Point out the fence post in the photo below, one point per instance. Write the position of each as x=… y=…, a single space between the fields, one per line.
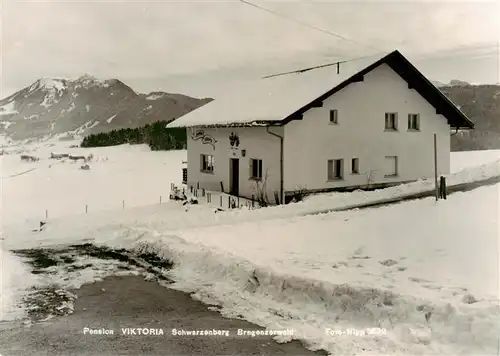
x=123 y=204
x=252 y=202
x=442 y=187
x=435 y=167
x=220 y=196
x=198 y=185
x=238 y=202
x=229 y=202
x=86 y=208
x=160 y=199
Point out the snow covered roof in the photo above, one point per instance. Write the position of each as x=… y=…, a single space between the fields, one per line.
x=277 y=100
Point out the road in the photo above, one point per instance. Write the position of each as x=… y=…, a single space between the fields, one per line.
x=121 y=302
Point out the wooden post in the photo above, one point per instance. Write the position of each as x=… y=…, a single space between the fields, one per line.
x=435 y=167
x=86 y=208
x=442 y=187
x=252 y=202
x=123 y=204
x=160 y=199
x=198 y=185
x=229 y=202
x=220 y=201
x=46 y=214
x=238 y=202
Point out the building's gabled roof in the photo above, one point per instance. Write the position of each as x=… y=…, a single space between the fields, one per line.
x=280 y=99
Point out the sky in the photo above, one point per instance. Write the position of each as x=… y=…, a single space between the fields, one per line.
x=203 y=47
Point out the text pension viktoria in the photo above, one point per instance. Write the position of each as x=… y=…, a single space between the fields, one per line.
x=125 y=331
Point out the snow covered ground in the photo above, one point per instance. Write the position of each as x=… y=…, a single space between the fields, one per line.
x=15 y=278
x=427 y=273
x=461 y=160
x=130 y=175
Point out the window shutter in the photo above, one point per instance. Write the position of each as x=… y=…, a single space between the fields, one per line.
x=333 y=116
x=339 y=168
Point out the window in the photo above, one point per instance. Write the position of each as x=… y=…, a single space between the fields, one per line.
x=414 y=122
x=391 y=166
x=334 y=117
x=391 y=121
x=335 y=169
x=355 y=166
x=256 y=169
x=207 y=163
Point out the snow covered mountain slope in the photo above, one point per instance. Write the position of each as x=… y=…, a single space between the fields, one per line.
x=60 y=107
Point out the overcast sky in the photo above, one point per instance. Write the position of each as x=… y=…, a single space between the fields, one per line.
x=200 y=47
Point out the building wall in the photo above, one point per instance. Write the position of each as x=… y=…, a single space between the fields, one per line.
x=360 y=133
x=257 y=143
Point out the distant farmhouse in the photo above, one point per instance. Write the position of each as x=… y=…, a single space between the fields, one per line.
x=364 y=123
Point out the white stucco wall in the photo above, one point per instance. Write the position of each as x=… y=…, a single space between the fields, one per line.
x=360 y=133
x=258 y=145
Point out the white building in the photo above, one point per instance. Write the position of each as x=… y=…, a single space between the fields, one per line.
x=364 y=123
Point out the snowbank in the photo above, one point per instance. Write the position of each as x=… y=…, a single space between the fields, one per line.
x=15 y=279
x=264 y=281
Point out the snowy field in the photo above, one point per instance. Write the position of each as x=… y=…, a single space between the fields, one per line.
x=426 y=272
x=461 y=160
x=120 y=175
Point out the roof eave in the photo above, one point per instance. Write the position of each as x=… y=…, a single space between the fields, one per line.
x=259 y=123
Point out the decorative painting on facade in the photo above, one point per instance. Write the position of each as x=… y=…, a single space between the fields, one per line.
x=234 y=141
x=205 y=139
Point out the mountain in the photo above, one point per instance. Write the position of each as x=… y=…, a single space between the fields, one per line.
x=481 y=103
x=438 y=83
x=452 y=83
x=457 y=83
x=64 y=108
